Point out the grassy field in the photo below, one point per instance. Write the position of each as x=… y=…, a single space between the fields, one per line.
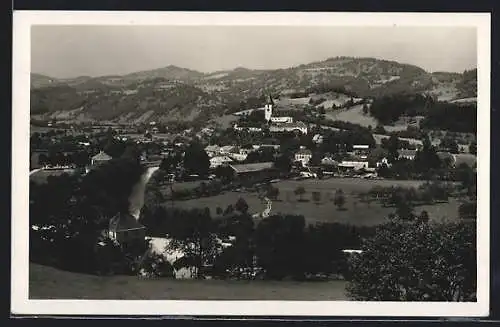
x=50 y=283
x=355 y=213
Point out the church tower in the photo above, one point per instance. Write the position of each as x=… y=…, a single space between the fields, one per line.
x=268 y=109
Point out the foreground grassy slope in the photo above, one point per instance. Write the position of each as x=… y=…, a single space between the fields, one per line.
x=50 y=283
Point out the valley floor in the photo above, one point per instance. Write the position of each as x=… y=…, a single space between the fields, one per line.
x=50 y=283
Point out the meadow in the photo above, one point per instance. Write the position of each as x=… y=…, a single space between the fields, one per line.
x=50 y=283
x=355 y=211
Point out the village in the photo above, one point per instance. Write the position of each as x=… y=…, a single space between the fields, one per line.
x=329 y=177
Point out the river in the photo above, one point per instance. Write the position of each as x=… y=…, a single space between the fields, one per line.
x=136 y=198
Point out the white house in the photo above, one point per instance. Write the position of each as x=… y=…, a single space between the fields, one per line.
x=407 y=154
x=355 y=165
x=226 y=149
x=219 y=160
x=284 y=119
x=212 y=150
x=238 y=156
x=303 y=155
x=289 y=127
x=317 y=138
x=383 y=161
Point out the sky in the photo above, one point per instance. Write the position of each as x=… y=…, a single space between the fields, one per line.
x=70 y=51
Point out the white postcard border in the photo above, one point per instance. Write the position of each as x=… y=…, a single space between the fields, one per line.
x=20 y=304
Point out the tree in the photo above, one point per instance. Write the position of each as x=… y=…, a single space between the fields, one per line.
x=449 y=144
x=196 y=160
x=273 y=192
x=424 y=217
x=415 y=261
x=300 y=191
x=427 y=159
x=156 y=265
x=315 y=159
x=339 y=199
x=194 y=236
x=316 y=197
x=467 y=210
x=225 y=173
x=280 y=246
x=283 y=163
x=473 y=148
x=365 y=109
x=241 y=205
x=393 y=145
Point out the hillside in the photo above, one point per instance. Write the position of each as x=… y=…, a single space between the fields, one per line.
x=50 y=283
x=175 y=93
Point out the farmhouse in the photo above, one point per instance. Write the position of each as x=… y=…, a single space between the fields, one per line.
x=125 y=229
x=361 y=150
x=317 y=138
x=289 y=127
x=284 y=119
x=353 y=165
x=212 y=150
x=407 y=154
x=219 y=160
x=100 y=158
x=303 y=155
x=238 y=156
x=254 y=172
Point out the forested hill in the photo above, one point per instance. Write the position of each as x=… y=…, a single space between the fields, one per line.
x=175 y=93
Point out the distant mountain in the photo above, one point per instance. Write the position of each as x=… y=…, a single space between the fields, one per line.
x=175 y=93
x=39 y=80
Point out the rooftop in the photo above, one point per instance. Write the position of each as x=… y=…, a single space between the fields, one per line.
x=102 y=156
x=123 y=222
x=245 y=168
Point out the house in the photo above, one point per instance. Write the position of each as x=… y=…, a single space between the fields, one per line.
x=284 y=119
x=125 y=229
x=238 y=156
x=254 y=172
x=383 y=162
x=361 y=150
x=226 y=149
x=219 y=160
x=317 y=138
x=303 y=155
x=328 y=161
x=353 y=165
x=100 y=158
x=298 y=127
x=407 y=154
x=212 y=150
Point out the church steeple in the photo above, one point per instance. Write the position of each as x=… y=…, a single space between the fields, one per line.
x=268 y=108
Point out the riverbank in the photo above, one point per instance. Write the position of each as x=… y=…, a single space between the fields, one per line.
x=50 y=283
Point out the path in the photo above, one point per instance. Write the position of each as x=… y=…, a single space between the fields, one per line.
x=267 y=210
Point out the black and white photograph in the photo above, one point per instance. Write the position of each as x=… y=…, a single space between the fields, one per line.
x=251 y=163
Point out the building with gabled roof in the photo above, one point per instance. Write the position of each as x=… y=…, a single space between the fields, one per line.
x=124 y=228
x=100 y=158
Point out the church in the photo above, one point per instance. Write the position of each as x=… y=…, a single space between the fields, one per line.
x=281 y=124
